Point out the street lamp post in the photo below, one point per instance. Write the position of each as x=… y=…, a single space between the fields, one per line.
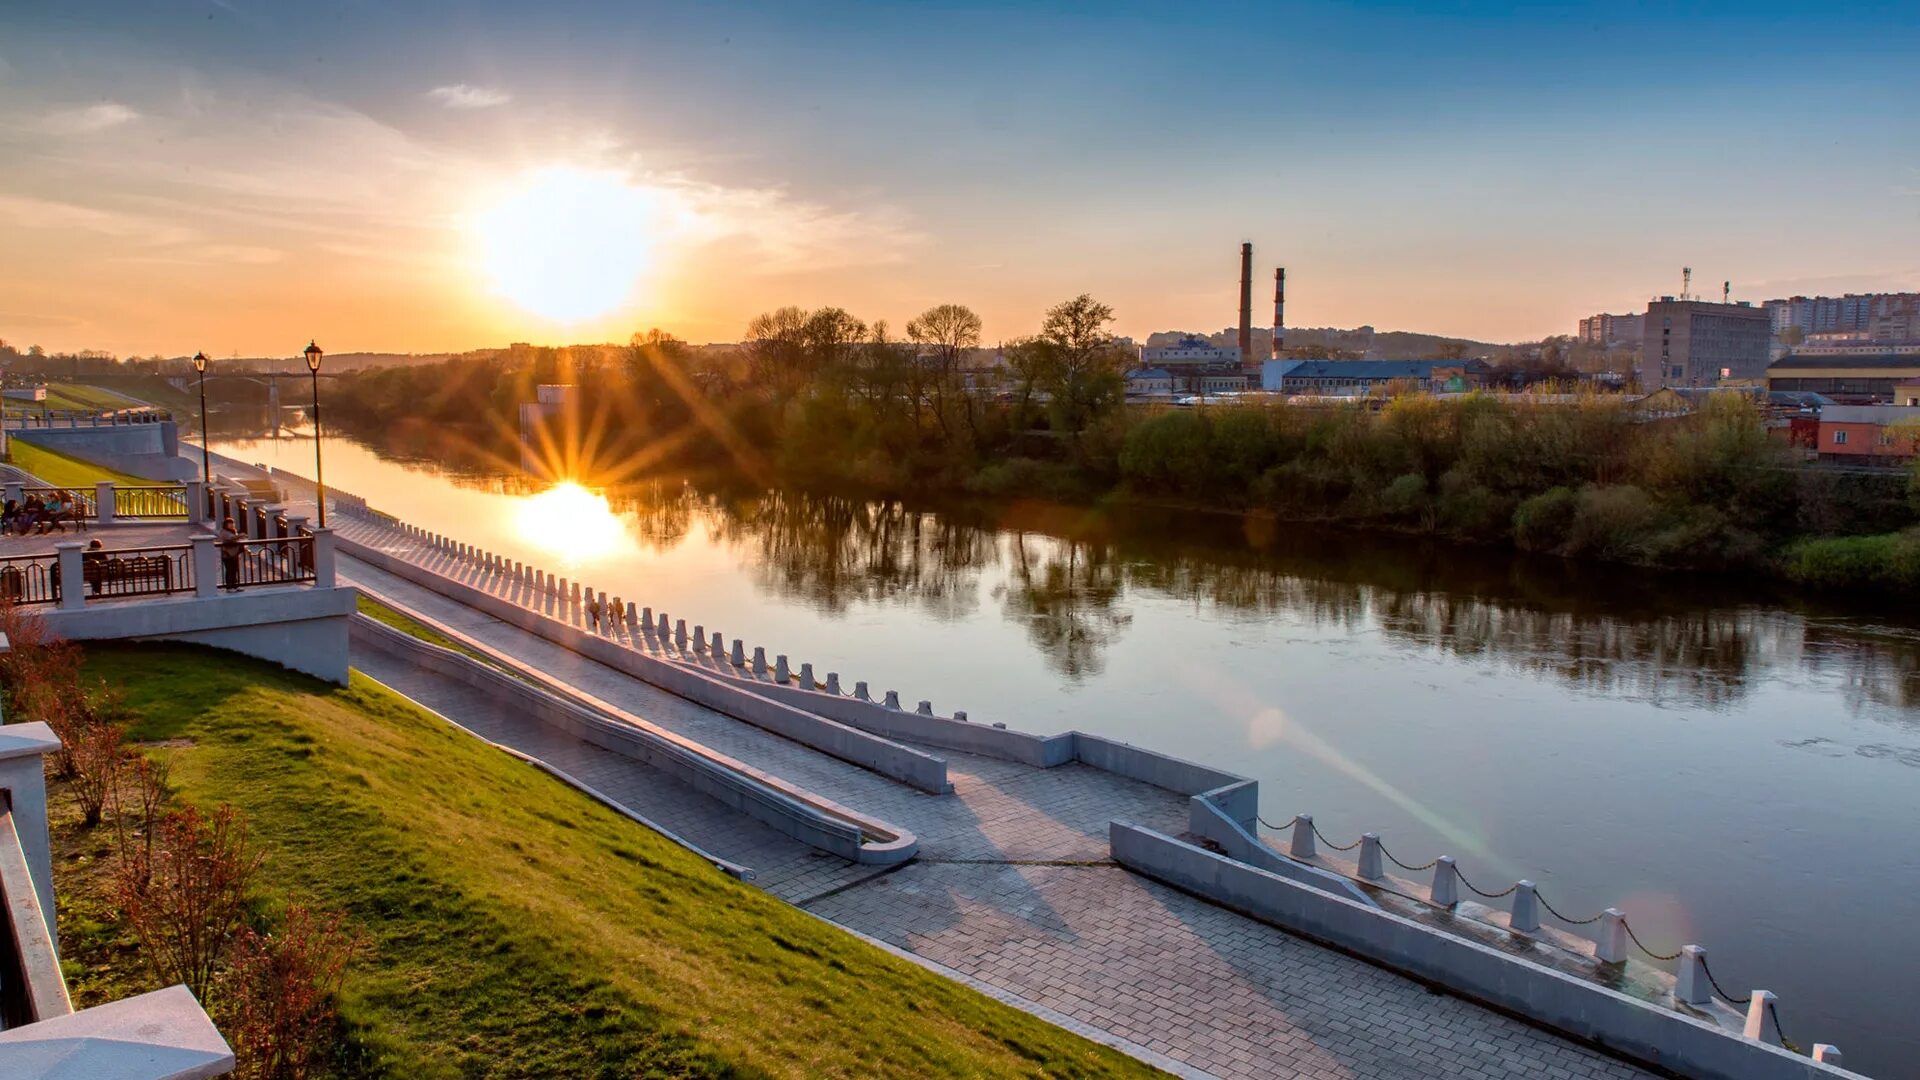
x=319 y=477
x=206 y=462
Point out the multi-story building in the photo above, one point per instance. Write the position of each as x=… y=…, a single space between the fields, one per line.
x=1851 y=377
x=1697 y=343
x=1190 y=352
x=1360 y=377
x=1874 y=316
x=1604 y=329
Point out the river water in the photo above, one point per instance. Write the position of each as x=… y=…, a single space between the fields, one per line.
x=1730 y=766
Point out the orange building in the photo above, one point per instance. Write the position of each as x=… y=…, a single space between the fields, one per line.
x=1868 y=434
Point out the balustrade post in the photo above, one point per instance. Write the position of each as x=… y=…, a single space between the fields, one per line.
x=196 y=502
x=1446 y=883
x=806 y=677
x=1691 y=985
x=17 y=493
x=104 y=503
x=781 y=673
x=1302 y=846
x=646 y=619
x=1370 y=856
x=680 y=634
x=717 y=645
x=925 y=708
x=1828 y=1054
x=699 y=638
x=73 y=590
x=759 y=659
x=739 y=657
x=634 y=625
x=892 y=700
x=1610 y=947
x=1757 y=1027
x=206 y=566
x=833 y=683
x=1525 y=918
x=323 y=568
x=860 y=690
x=960 y=715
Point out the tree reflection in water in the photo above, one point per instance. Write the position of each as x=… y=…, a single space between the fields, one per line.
x=1066 y=575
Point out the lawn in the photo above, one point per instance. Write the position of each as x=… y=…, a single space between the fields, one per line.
x=517 y=928
x=65 y=470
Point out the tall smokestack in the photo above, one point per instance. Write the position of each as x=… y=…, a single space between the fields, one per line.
x=1279 y=311
x=1246 y=304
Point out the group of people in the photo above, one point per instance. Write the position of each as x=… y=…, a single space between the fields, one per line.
x=36 y=514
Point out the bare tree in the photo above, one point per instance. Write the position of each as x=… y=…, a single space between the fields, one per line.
x=944 y=333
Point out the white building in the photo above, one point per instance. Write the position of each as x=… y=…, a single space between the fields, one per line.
x=1190 y=351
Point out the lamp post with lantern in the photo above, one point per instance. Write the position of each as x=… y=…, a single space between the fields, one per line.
x=206 y=461
x=319 y=477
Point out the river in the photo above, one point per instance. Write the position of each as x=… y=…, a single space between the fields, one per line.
x=1730 y=766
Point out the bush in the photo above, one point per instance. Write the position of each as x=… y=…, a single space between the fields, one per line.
x=1027 y=478
x=1612 y=522
x=1542 y=522
x=185 y=894
x=1167 y=453
x=1890 y=560
x=1406 y=497
x=278 y=994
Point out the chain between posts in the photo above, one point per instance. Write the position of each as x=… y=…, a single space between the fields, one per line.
x=1773 y=1007
x=1556 y=913
x=1331 y=844
x=1675 y=955
x=1722 y=991
x=1410 y=869
x=1477 y=892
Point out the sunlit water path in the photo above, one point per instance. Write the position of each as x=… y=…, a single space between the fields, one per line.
x=1744 y=776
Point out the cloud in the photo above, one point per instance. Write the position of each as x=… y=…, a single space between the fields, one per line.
x=89 y=118
x=462 y=96
x=27 y=212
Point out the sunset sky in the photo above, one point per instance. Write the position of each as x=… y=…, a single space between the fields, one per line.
x=239 y=176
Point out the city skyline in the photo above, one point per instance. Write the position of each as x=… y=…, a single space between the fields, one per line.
x=383 y=179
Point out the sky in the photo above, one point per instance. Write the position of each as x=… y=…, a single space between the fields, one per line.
x=240 y=176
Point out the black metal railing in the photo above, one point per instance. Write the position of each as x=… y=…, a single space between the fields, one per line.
x=30 y=579
x=153 y=501
x=268 y=562
x=138 y=571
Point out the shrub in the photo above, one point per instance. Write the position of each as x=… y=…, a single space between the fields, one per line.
x=278 y=994
x=1167 y=452
x=93 y=750
x=1407 y=497
x=185 y=894
x=1612 y=522
x=1889 y=560
x=1542 y=522
x=1025 y=477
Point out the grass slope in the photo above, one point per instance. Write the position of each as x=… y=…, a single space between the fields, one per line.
x=516 y=927
x=65 y=470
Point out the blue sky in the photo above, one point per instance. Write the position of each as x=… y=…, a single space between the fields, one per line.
x=1486 y=170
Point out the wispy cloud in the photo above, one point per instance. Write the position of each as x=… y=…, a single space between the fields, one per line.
x=27 y=212
x=463 y=96
x=85 y=119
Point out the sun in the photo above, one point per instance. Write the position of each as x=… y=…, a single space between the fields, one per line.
x=571 y=522
x=568 y=244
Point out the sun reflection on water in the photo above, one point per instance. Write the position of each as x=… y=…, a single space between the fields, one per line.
x=571 y=522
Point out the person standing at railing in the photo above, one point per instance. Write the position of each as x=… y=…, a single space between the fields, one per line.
x=230 y=551
x=10 y=516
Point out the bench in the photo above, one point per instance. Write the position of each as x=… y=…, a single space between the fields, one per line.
x=139 y=574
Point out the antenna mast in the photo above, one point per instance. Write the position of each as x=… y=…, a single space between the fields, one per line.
x=1686 y=282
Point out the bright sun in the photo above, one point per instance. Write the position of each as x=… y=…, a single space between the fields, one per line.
x=571 y=522
x=568 y=244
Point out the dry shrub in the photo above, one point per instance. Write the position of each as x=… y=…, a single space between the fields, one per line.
x=185 y=892
x=136 y=799
x=93 y=752
x=278 y=994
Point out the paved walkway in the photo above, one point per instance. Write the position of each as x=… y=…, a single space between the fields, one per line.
x=1013 y=887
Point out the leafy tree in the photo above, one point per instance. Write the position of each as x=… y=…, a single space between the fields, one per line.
x=943 y=334
x=1081 y=367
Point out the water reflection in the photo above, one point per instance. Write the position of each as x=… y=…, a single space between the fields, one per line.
x=1070 y=579
x=570 y=522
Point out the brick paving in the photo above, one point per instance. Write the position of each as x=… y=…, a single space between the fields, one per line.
x=1214 y=991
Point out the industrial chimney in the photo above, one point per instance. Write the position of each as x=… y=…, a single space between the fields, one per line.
x=1246 y=304
x=1279 y=310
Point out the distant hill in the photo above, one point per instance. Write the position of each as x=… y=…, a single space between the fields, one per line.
x=1365 y=340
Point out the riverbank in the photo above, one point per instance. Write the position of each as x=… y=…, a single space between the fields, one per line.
x=515 y=927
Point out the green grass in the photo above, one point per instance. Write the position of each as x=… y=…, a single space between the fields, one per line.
x=65 y=470
x=517 y=928
x=84 y=398
x=406 y=624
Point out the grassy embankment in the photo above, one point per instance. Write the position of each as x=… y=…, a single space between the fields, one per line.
x=74 y=397
x=65 y=470
x=514 y=926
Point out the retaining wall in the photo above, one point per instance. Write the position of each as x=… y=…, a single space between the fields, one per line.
x=149 y=450
x=762 y=797
x=913 y=767
x=300 y=627
x=1636 y=1029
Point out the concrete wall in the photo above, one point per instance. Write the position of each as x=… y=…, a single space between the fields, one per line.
x=790 y=810
x=23 y=778
x=298 y=627
x=1635 y=1029
x=149 y=450
x=888 y=758
x=1209 y=821
x=1042 y=751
